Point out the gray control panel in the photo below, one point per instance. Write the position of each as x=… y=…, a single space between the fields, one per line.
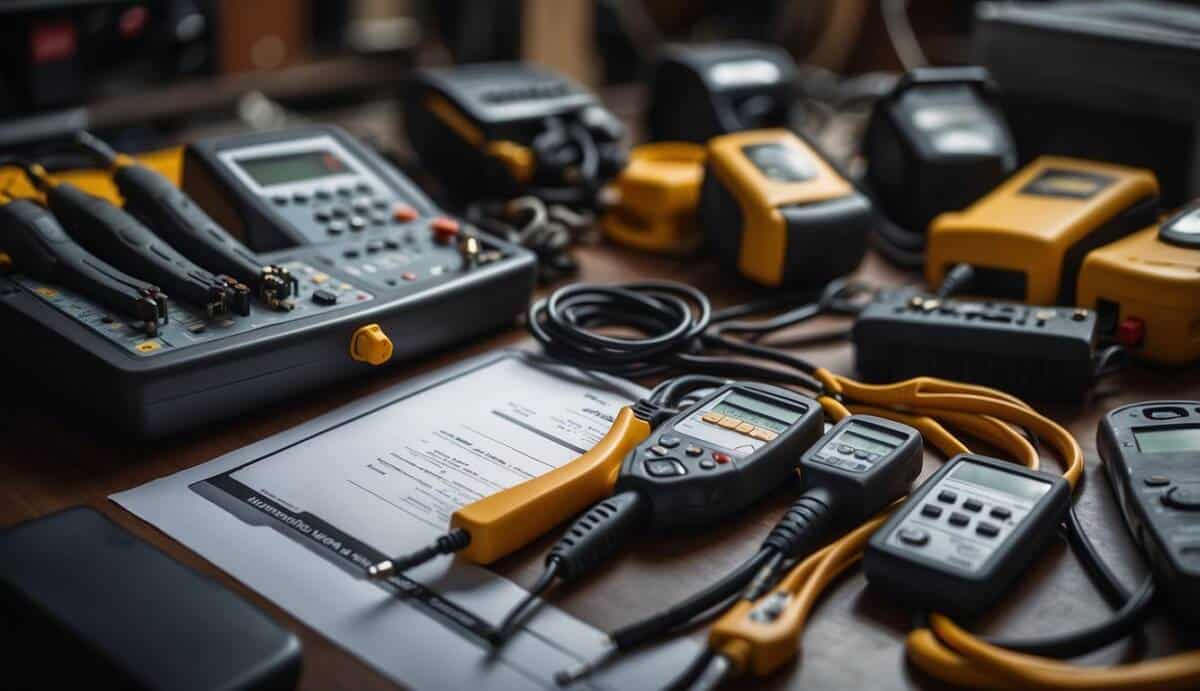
x=858 y=447
x=968 y=515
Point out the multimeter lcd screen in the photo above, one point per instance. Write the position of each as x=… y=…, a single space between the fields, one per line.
x=776 y=418
x=1168 y=440
x=284 y=168
x=779 y=162
x=1009 y=483
x=867 y=439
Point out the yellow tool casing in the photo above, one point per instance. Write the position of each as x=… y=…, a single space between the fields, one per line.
x=1148 y=290
x=504 y=522
x=658 y=191
x=778 y=213
x=1027 y=239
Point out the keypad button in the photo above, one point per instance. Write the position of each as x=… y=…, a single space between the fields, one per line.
x=344 y=191
x=335 y=228
x=744 y=428
x=658 y=450
x=763 y=434
x=364 y=188
x=350 y=253
x=987 y=529
x=403 y=213
x=861 y=455
x=669 y=441
x=972 y=505
x=279 y=200
x=707 y=464
x=357 y=223
x=845 y=449
x=712 y=417
x=374 y=246
x=729 y=422
x=931 y=511
x=1157 y=481
x=1000 y=513
x=381 y=204
x=322 y=194
x=947 y=497
x=913 y=536
x=959 y=519
x=391 y=244
x=720 y=457
x=664 y=467
x=361 y=207
x=300 y=197
x=693 y=451
x=322 y=216
x=1183 y=496
x=324 y=297
x=338 y=212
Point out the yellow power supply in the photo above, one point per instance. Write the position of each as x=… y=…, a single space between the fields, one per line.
x=1027 y=239
x=778 y=213
x=1146 y=289
x=657 y=195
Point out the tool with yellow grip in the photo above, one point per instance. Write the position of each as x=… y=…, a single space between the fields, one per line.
x=499 y=524
x=776 y=212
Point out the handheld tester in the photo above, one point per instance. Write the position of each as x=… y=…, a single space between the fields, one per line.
x=961 y=539
x=722 y=454
x=1027 y=239
x=381 y=275
x=1146 y=289
x=1151 y=451
x=778 y=213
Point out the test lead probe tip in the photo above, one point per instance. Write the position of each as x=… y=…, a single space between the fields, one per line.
x=449 y=543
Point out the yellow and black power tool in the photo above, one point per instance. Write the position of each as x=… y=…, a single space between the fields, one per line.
x=1146 y=289
x=776 y=211
x=1027 y=239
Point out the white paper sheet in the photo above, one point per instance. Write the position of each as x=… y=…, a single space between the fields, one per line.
x=297 y=516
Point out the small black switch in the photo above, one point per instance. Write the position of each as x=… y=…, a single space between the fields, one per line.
x=324 y=297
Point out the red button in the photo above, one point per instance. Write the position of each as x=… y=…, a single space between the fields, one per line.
x=404 y=213
x=408 y=276
x=720 y=457
x=444 y=228
x=1131 y=332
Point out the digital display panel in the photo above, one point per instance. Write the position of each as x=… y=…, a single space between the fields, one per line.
x=774 y=417
x=779 y=162
x=1173 y=440
x=1010 y=483
x=284 y=168
x=867 y=439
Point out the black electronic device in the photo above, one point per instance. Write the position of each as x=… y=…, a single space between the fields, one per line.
x=1044 y=353
x=963 y=537
x=371 y=254
x=1151 y=451
x=937 y=142
x=1109 y=81
x=715 y=458
x=698 y=92
x=97 y=607
x=500 y=129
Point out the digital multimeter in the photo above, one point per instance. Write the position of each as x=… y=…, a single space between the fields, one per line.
x=380 y=275
x=1146 y=289
x=720 y=455
x=1027 y=239
x=963 y=537
x=774 y=210
x=1151 y=451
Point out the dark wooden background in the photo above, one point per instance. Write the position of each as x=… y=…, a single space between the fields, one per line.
x=52 y=459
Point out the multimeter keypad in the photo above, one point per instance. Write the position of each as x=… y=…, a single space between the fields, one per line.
x=961 y=524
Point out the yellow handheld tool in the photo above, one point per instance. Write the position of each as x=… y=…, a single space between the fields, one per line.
x=502 y=523
x=1027 y=239
x=774 y=210
x=657 y=196
x=1146 y=289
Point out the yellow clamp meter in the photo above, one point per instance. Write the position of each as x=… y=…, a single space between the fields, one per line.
x=778 y=213
x=657 y=195
x=1027 y=239
x=1145 y=289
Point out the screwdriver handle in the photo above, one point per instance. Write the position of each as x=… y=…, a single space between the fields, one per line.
x=155 y=200
x=504 y=522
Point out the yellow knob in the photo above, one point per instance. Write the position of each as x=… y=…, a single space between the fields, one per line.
x=371 y=345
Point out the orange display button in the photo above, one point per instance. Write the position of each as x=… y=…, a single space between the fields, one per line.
x=404 y=213
x=444 y=228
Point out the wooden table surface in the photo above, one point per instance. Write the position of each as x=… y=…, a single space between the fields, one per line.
x=53 y=459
